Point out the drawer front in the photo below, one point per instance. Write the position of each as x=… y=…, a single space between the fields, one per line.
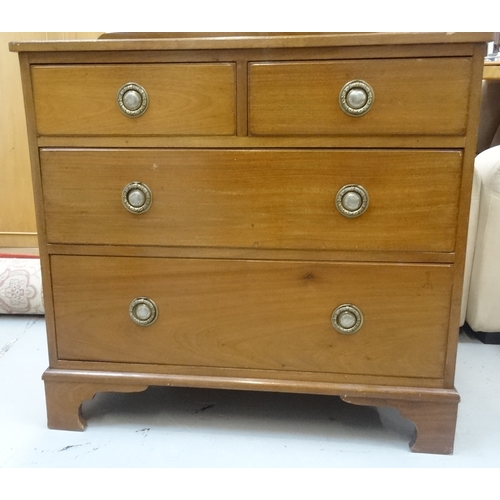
x=254 y=199
x=411 y=96
x=183 y=99
x=254 y=315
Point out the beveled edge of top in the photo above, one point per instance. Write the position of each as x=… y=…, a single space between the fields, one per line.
x=261 y=40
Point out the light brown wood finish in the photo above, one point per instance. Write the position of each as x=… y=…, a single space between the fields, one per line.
x=207 y=314
x=17 y=216
x=412 y=96
x=265 y=41
x=464 y=210
x=254 y=199
x=238 y=294
x=185 y=99
x=64 y=401
x=66 y=56
x=253 y=253
x=491 y=70
x=40 y=218
x=247 y=142
x=435 y=421
x=433 y=411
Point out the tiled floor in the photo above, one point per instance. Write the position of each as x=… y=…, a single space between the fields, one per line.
x=175 y=427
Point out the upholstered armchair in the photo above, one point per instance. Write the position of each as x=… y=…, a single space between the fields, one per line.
x=481 y=297
x=481 y=302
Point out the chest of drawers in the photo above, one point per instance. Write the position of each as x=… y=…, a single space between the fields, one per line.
x=260 y=212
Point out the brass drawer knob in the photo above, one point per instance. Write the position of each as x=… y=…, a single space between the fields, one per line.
x=347 y=318
x=132 y=99
x=352 y=200
x=143 y=311
x=356 y=98
x=137 y=197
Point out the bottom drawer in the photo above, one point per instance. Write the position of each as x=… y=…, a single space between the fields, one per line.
x=253 y=314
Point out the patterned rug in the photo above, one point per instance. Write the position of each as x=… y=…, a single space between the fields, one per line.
x=20 y=285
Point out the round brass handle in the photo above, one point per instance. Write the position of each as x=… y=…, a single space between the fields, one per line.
x=347 y=318
x=132 y=99
x=352 y=200
x=356 y=98
x=137 y=198
x=143 y=311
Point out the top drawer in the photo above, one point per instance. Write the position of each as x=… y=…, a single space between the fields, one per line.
x=183 y=99
x=410 y=97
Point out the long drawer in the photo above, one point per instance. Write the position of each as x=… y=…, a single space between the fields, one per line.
x=254 y=198
x=407 y=96
x=179 y=99
x=253 y=314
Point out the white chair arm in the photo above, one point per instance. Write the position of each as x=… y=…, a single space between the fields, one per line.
x=483 y=303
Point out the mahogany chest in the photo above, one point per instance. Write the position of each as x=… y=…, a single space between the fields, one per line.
x=275 y=212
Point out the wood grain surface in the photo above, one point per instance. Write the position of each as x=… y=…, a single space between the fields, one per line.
x=254 y=199
x=185 y=99
x=249 y=41
x=412 y=96
x=244 y=147
x=260 y=315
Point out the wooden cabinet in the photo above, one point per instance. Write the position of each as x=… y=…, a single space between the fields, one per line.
x=259 y=212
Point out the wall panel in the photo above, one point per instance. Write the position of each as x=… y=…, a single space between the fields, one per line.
x=17 y=213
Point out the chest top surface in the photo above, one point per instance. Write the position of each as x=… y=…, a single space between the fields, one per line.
x=201 y=40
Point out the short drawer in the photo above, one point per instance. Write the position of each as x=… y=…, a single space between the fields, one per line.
x=410 y=97
x=181 y=99
x=255 y=315
x=254 y=199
